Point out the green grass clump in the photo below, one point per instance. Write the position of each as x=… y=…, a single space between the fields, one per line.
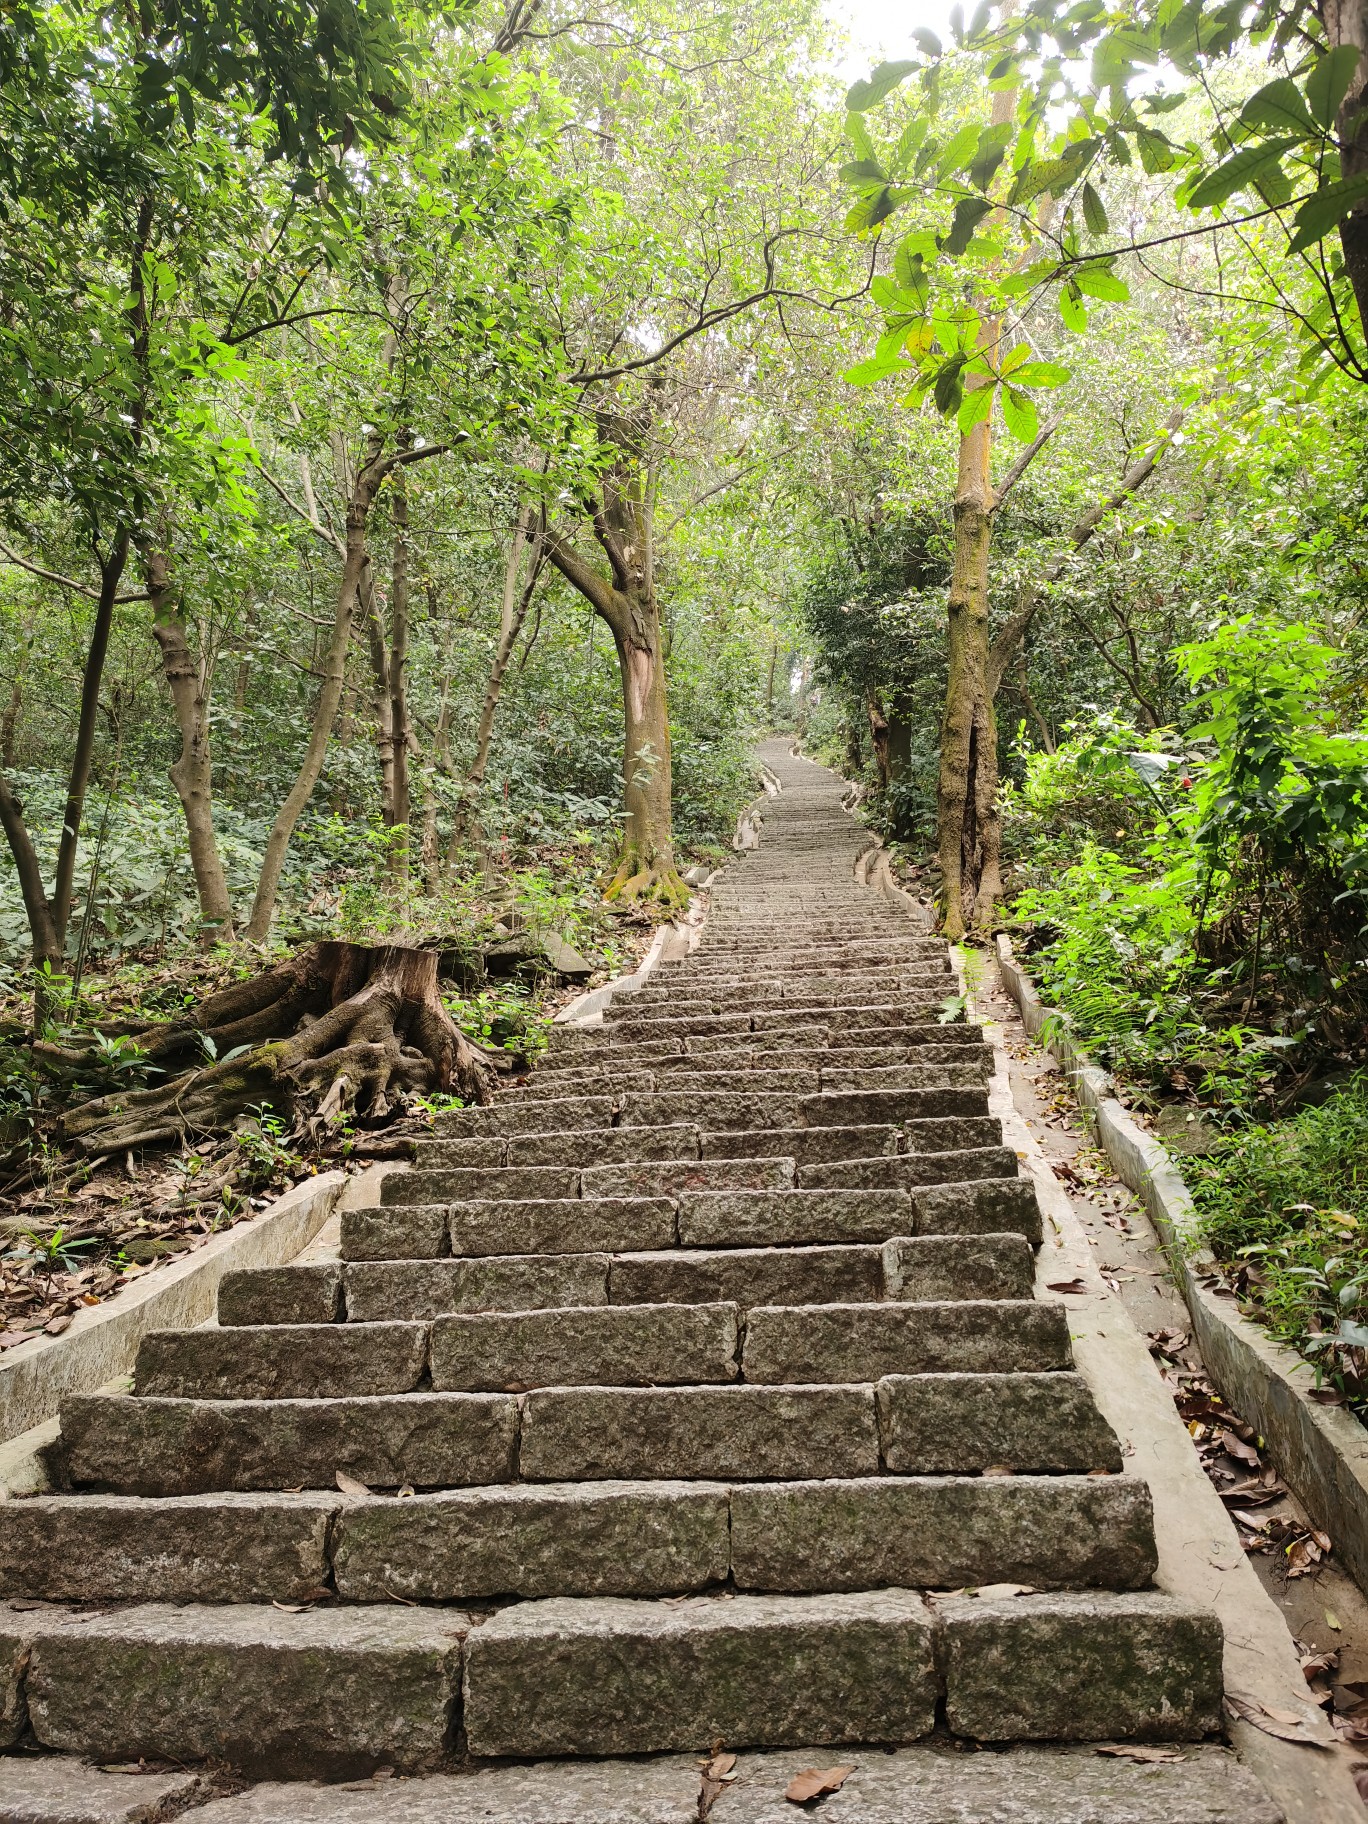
x=1285 y=1208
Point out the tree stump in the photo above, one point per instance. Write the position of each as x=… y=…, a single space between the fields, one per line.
x=340 y=1022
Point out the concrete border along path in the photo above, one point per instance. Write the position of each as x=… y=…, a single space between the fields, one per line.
x=696 y=1392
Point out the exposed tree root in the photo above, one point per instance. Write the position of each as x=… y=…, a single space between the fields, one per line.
x=343 y=1023
x=647 y=883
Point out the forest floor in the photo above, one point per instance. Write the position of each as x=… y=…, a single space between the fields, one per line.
x=1325 y=1611
x=74 y=1230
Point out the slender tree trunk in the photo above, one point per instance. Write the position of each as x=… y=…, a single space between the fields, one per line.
x=513 y=609
x=47 y=947
x=1346 y=23
x=354 y=562
x=380 y=673
x=966 y=726
x=769 y=683
x=878 y=735
x=401 y=729
x=9 y=722
x=646 y=866
x=78 y=782
x=192 y=774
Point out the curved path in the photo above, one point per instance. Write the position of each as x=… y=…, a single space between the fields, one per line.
x=713 y=1358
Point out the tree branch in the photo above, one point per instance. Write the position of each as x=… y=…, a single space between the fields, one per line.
x=580 y=576
x=65 y=582
x=1023 y=462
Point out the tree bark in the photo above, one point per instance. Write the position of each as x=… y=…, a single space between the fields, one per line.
x=513 y=608
x=342 y=1022
x=47 y=947
x=622 y=523
x=192 y=774
x=111 y=573
x=878 y=735
x=401 y=729
x=1346 y=23
x=364 y=489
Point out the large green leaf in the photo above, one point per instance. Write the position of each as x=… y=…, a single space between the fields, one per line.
x=1071 y=310
x=882 y=81
x=1329 y=83
x=1094 y=211
x=1019 y=414
x=949 y=387
x=1238 y=172
x=863 y=171
x=1279 y=106
x=1101 y=282
x=969 y=212
x=975 y=408
x=1040 y=373
x=866 y=373
x=1326 y=210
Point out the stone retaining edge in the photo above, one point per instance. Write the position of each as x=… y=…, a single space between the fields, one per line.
x=103 y=1340
x=1321 y=1451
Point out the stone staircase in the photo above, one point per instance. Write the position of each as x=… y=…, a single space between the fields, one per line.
x=694 y=1394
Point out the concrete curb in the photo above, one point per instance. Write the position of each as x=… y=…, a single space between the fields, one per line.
x=102 y=1341
x=1322 y=1451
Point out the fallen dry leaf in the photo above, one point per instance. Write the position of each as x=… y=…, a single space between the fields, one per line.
x=993 y=1592
x=1125 y=1751
x=1236 y=1447
x=349 y=1484
x=1288 y=1725
x=719 y=1767
x=813 y=1782
x=1074 y=1287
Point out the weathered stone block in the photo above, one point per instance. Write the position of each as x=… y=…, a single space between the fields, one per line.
x=486 y=1152
x=994 y=1206
x=935 y=1785
x=748 y=1276
x=570 y=1539
x=571 y=1225
x=714 y=1109
x=606 y=1145
x=201 y=1548
x=462 y=1183
x=586 y=1346
x=670 y=1177
x=615 y=1677
x=282 y=1361
x=943 y=1532
x=16 y=1632
x=54 y=1789
x=327 y=1691
x=281 y=1295
x=1080 y=1668
x=423 y=1289
x=759 y=1433
x=852 y=1107
x=947 y=1424
x=864 y=1342
x=402 y=1232
x=790 y=1218
x=952 y=1134
x=659 y=1791
x=186 y=1447
x=907 y=1171
x=508 y=1116
x=922 y=1267
x=805 y=1145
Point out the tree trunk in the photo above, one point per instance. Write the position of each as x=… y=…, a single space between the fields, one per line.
x=384 y=707
x=401 y=730
x=47 y=948
x=646 y=865
x=369 y=477
x=192 y=774
x=878 y=735
x=967 y=730
x=374 y=1025
x=513 y=609
x=111 y=573
x=1346 y=23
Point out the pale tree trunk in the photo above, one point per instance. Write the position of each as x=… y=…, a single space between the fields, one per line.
x=369 y=477
x=626 y=600
x=384 y=706
x=401 y=729
x=192 y=774
x=967 y=730
x=529 y=540
x=878 y=735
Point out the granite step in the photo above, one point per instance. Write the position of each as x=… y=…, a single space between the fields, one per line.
x=609 y=1675
x=611 y=1538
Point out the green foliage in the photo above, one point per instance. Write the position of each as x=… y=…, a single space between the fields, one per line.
x=1285 y=1208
